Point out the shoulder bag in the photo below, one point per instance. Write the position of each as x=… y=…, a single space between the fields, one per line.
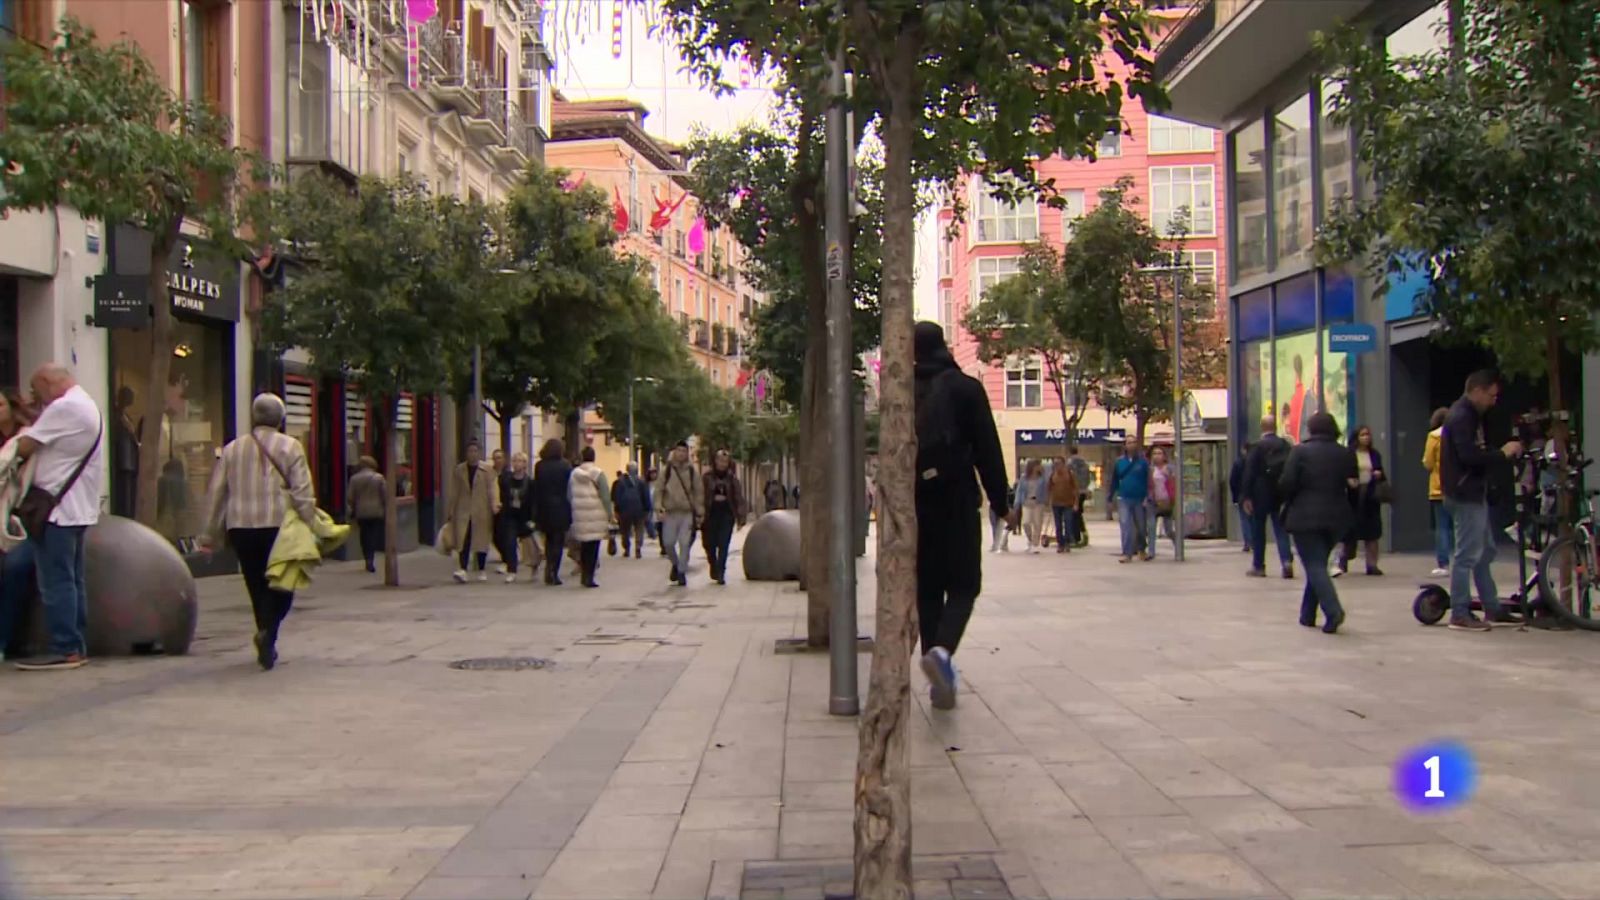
x=269 y=457
x=37 y=504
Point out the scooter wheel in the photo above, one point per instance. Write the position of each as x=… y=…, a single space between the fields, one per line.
x=1431 y=604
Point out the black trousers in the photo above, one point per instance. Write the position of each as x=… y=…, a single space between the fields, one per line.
x=589 y=560
x=949 y=568
x=715 y=538
x=253 y=546
x=555 y=547
x=371 y=531
x=632 y=528
x=466 y=555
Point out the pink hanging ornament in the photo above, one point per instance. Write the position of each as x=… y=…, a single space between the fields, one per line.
x=697 y=236
x=421 y=10
x=617 y=7
x=417 y=12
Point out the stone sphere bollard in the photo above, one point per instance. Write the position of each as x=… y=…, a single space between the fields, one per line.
x=772 y=548
x=141 y=594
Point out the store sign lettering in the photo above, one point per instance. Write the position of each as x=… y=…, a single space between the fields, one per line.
x=198 y=289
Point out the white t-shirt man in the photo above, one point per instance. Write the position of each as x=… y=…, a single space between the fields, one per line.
x=65 y=431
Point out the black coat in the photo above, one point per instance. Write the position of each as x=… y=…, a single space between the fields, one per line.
x=1316 y=487
x=975 y=422
x=552 y=509
x=516 y=499
x=1236 y=481
x=1257 y=487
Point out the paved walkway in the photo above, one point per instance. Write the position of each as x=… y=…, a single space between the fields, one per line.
x=1126 y=731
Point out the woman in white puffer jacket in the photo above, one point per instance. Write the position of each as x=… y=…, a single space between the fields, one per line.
x=591 y=513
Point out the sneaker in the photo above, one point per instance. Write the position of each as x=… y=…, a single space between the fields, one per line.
x=266 y=654
x=52 y=662
x=1256 y=573
x=511 y=579
x=941 y=674
x=1439 y=572
x=1288 y=571
x=1332 y=625
x=460 y=575
x=1374 y=570
x=673 y=578
x=502 y=569
x=1469 y=623
x=482 y=575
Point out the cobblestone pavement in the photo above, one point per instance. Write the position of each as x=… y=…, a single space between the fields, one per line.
x=1150 y=730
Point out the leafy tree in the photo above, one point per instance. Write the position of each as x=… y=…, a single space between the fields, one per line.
x=92 y=126
x=393 y=287
x=1486 y=169
x=1119 y=279
x=1021 y=318
x=985 y=87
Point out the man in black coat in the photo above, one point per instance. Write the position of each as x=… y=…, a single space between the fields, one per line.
x=1466 y=463
x=956 y=437
x=1262 y=468
x=1236 y=494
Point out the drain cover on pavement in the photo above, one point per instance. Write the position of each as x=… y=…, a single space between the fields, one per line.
x=500 y=663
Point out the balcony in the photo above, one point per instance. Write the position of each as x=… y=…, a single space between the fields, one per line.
x=447 y=73
x=487 y=125
x=517 y=148
x=719 y=338
x=702 y=334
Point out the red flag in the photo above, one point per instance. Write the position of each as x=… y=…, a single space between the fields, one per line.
x=619 y=212
x=665 y=209
x=744 y=378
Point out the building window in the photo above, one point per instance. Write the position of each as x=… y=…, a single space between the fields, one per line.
x=1421 y=36
x=1249 y=197
x=947 y=310
x=989 y=271
x=202 y=27
x=1291 y=179
x=947 y=264
x=1334 y=159
x=1110 y=146
x=27 y=19
x=635 y=207
x=1184 y=187
x=1204 y=264
x=1172 y=136
x=677 y=295
x=1071 y=213
x=1006 y=223
x=1024 y=385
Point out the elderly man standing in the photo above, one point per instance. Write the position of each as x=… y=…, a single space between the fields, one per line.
x=258 y=477
x=65 y=440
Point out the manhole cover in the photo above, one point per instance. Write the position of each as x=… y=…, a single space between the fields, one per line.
x=500 y=663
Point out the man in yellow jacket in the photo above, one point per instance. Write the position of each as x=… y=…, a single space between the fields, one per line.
x=1444 y=526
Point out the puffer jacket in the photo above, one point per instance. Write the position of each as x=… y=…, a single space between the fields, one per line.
x=591 y=503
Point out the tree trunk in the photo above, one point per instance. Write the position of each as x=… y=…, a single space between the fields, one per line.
x=883 y=773
x=386 y=408
x=503 y=420
x=155 y=400
x=572 y=431
x=815 y=435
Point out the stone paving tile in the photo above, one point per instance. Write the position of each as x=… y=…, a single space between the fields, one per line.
x=1202 y=875
x=1446 y=870
x=1567 y=880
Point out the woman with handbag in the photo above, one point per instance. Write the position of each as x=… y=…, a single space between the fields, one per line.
x=516 y=516
x=1366 y=501
x=1161 y=497
x=473 y=502
x=725 y=511
x=590 y=499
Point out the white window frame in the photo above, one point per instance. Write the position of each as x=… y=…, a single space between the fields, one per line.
x=1016 y=376
x=947 y=309
x=983 y=280
x=1110 y=146
x=947 y=263
x=992 y=215
x=1193 y=259
x=1160 y=218
x=1176 y=136
x=1076 y=200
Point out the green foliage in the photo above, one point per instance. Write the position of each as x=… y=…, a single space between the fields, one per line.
x=392 y=285
x=93 y=127
x=777 y=435
x=1487 y=171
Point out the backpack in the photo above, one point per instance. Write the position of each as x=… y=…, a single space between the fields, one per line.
x=1277 y=460
x=944 y=455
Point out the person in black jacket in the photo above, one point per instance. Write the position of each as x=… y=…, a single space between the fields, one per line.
x=1367 y=526
x=1236 y=494
x=1464 y=463
x=1315 y=489
x=1262 y=502
x=516 y=515
x=955 y=436
x=552 y=507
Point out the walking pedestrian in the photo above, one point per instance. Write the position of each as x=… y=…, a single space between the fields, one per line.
x=1236 y=494
x=1161 y=501
x=680 y=508
x=1084 y=476
x=631 y=499
x=1263 y=476
x=498 y=467
x=773 y=494
x=367 y=497
x=515 y=486
x=65 y=444
x=552 y=505
x=1064 y=497
x=590 y=499
x=724 y=511
x=1129 y=489
x=1000 y=524
x=956 y=446
x=17 y=581
x=1033 y=498
x=1366 y=498
x=257 y=479
x=1464 y=463
x=1444 y=531
x=472 y=502
x=1315 y=489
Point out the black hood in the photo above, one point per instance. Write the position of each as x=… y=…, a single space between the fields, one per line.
x=932 y=355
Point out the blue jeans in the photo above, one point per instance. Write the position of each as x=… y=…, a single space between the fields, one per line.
x=1134 y=524
x=1474 y=556
x=1258 y=537
x=1246 y=531
x=16 y=590
x=1444 y=533
x=1315 y=547
x=59 y=566
x=1066 y=525
x=1158 y=523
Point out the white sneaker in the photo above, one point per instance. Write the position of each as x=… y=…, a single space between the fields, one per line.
x=460 y=575
x=511 y=579
x=1439 y=573
x=501 y=569
x=482 y=575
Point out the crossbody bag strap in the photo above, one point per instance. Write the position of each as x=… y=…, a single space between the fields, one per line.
x=81 y=463
x=269 y=457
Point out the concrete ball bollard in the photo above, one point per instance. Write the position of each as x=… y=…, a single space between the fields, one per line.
x=772 y=548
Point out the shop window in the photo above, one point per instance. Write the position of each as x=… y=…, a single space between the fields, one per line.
x=1291 y=179
x=1295 y=305
x=989 y=271
x=1071 y=212
x=1024 y=385
x=195 y=412
x=1333 y=162
x=1255 y=393
x=1338 y=385
x=1191 y=188
x=1255 y=315
x=1172 y=136
x=1005 y=223
x=1295 y=372
x=404 y=447
x=1249 y=199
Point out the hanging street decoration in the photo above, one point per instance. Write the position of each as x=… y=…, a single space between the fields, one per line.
x=665 y=209
x=417 y=12
x=619 y=212
x=617 y=9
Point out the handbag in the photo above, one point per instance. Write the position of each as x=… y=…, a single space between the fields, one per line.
x=1382 y=492
x=35 y=507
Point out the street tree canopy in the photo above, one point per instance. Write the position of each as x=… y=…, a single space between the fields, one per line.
x=1486 y=172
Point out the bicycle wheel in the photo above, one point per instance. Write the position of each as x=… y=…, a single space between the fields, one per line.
x=1567 y=580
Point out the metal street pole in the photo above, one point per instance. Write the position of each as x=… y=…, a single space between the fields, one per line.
x=633 y=448
x=843 y=692
x=1177 y=403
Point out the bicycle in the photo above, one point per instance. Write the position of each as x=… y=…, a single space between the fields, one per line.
x=1569 y=568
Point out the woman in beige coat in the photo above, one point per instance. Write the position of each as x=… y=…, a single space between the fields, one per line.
x=473 y=503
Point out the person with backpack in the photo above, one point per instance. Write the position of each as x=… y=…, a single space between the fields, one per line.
x=1129 y=489
x=956 y=438
x=1263 y=473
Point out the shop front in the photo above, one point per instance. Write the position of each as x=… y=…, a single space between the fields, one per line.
x=1099 y=447
x=197 y=401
